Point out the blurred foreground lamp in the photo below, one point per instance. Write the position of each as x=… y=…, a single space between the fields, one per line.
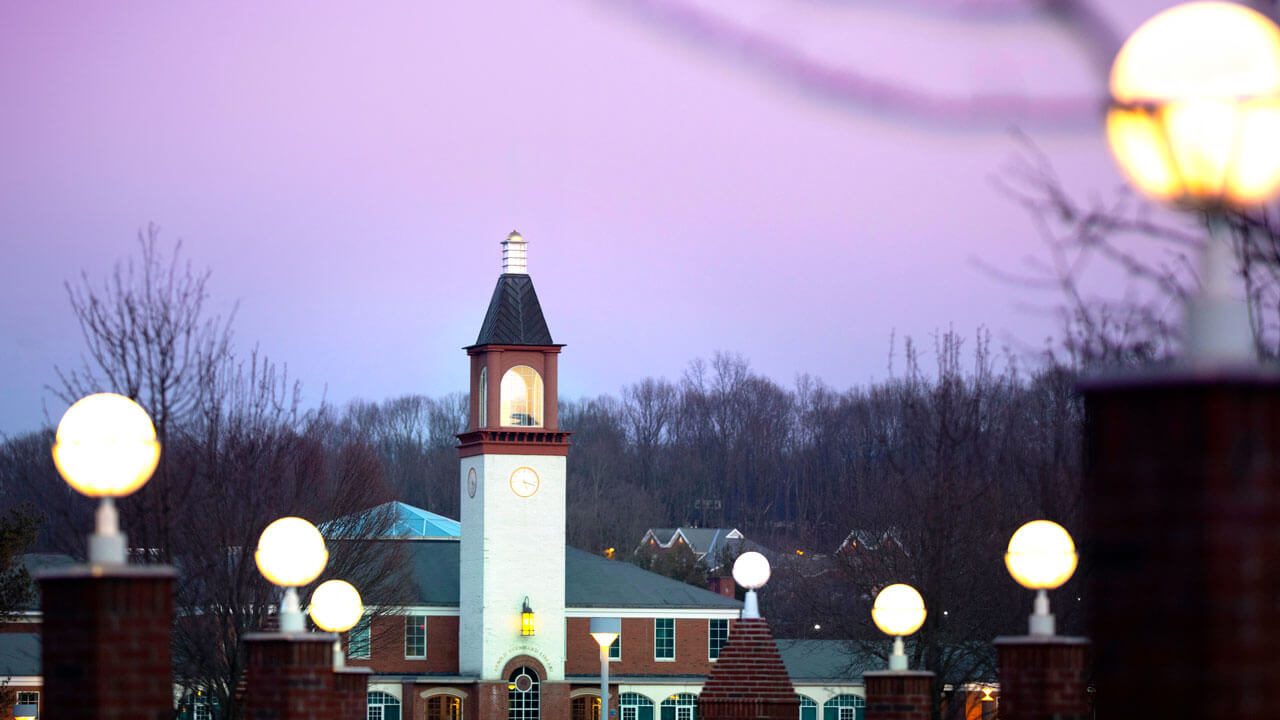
x=526 y=618
x=1041 y=557
x=605 y=631
x=751 y=571
x=898 y=611
x=106 y=447
x=291 y=553
x=336 y=607
x=1194 y=121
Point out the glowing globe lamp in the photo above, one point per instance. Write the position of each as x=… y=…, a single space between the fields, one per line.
x=1195 y=122
x=1041 y=557
x=1195 y=111
x=751 y=571
x=335 y=606
x=898 y=611
x=291 y=553
x=106 y=448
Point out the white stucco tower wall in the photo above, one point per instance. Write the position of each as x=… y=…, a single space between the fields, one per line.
x=512 y=547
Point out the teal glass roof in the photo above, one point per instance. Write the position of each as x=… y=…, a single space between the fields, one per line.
x=400 y=520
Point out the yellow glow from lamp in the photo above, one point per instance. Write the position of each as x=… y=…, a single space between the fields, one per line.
x=1041 y=555
x=1195 y=114
x=106 y=446
x=526 y=619
x=898 y=610
x=605 y=630
x=291 y=552
x=336 y=606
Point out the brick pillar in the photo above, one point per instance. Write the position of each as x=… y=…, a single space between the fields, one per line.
x=1182 y=553
x=290 y=676
x=1043 y=678
x=748 y=681
x=351 y=689
x=106 y=635
x=899 y=695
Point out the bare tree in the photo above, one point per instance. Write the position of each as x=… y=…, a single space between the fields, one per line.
x=237 y=452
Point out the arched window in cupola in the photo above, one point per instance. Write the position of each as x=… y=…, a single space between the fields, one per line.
x=521 y=397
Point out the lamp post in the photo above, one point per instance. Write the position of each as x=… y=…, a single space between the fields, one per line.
x=898 y=611
x=605 y=631
x=1041 y=557
x=336 y=607
x=1194 y=121
x=106 y=448
x=291 y=553
x=751 y=571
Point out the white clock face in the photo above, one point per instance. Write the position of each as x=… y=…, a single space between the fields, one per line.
x=471 y=483
x=524 y=481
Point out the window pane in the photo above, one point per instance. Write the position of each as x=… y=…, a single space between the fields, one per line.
x=615 y=649
x=521 y=397
x=358 y=641
x=664 y=639
x=717 y=634
x=415 y=636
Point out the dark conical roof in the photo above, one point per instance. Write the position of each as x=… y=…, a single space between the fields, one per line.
x=514 y=316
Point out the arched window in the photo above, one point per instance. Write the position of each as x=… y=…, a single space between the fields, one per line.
x=844 y=707
x=634 y=706
x=585 y=707
x=383 y=706
x=444 y=707
x=484 y=396
x=522 y=694
x=808 y=708
x=682 y=706
x=521 y=397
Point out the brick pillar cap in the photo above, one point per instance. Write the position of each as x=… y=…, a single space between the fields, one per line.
x=897 y=673
x=125 y=572
x=1040 y=640
x=302 y=637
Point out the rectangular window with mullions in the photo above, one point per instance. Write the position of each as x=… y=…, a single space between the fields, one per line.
x=664 y=639
x=358 y=640
x=615 y=648
x=415 y=637
x=717 y=634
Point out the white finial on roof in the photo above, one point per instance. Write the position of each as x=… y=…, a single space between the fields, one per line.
x=515 y=255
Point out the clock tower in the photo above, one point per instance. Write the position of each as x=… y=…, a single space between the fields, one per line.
x=513 y=490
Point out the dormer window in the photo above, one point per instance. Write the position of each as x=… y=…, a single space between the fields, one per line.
x=521 y=397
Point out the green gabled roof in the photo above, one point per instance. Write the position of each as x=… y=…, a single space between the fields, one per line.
x=590 y=581
x=826 y=660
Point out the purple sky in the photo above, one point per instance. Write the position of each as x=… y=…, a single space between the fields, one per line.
x=691 y=175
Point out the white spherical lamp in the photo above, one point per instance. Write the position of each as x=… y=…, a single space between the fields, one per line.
x=898 y=611
x=290 y=553
x=1041 y=557
x=106 y=448
x=335 y=606
x=1195 y=112
x=751 y=571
